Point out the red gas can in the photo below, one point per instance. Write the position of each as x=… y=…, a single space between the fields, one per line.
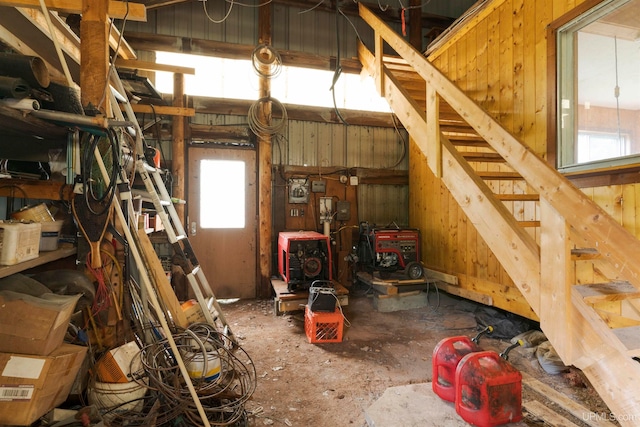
x=446 y=356
x=488 y=390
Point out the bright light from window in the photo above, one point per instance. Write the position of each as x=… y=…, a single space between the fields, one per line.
x=236 y=79
x=222 y=194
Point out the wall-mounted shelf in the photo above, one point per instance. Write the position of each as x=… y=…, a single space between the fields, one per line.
x=64 y=251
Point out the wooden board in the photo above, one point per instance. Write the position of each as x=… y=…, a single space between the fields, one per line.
x=395 y=284
x=538 y=410
x=564 y=402
x=160 y=280
x=285 y=301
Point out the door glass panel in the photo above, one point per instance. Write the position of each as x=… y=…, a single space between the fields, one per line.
x=222 y=194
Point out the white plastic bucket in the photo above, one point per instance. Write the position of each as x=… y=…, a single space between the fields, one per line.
x=195 y=363
x=119 y=397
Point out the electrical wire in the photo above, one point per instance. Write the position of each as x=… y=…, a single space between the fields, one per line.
x=338 y=70
x=261 y=128
x=312 y=8
x=223 y=387
x=266 y=56
x=206 y=12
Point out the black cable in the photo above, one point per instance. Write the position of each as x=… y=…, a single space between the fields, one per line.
x=338 y=70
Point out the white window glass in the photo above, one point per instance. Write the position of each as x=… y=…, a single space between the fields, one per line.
x=236 y=79
x=222 y=194
x=599 y=87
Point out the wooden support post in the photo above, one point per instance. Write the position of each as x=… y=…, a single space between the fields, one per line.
x=178 y=147
x=434 y=147
x=555 y=280
x=379 y=48
x=415 y=24
x=94 y=51
x=265 y=219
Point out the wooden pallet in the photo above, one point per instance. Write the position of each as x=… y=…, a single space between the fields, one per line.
x=395 y=284
x=285 y=301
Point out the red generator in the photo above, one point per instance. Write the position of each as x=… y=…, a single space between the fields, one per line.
x=387 y=250
x=303 y=257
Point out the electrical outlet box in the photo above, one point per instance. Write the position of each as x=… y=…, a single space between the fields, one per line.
x=343 y=210
x=318 y=186
x=298 y=190
x=353 y=180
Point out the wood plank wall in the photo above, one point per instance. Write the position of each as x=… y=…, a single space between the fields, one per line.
x=500 y=61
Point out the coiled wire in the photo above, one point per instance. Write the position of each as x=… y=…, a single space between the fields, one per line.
x=222 y=398
x=271 y=127
x=266 y=61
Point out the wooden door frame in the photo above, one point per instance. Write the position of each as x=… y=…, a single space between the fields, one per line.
x=246 y=146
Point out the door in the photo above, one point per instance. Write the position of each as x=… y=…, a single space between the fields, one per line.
x=222 y=218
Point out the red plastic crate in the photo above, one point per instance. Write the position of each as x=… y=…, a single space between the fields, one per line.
x=322 y=327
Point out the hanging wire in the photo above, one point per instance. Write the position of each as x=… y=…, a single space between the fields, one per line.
x=206 y=12
x=312 y=8
x=338 y=71
x=250 y=5
x=264 y=56
x=617 y=88
x=260 y=128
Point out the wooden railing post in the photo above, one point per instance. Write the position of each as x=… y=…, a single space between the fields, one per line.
x=434 y=147
x=556 y=279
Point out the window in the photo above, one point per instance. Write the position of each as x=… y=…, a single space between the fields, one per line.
x=599 y=88
x=236 y=79
x=222 y=194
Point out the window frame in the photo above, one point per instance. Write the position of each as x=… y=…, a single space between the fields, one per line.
x=622 y=170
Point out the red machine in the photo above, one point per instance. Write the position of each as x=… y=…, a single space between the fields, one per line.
x=303 y=257
x=387 y=250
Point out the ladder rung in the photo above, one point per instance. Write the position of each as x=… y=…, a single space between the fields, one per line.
x=518 y=197
x=614 y=291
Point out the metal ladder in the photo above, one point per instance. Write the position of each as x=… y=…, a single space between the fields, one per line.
x=176 y=234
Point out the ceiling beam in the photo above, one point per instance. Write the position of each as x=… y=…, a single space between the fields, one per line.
x=116 y=9
x=390 y=14
x=153 y=42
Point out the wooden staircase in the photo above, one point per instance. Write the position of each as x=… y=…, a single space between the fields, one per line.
x=538 y=225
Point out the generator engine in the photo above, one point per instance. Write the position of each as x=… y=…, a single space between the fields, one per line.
x=303 y=257
x=388 y=250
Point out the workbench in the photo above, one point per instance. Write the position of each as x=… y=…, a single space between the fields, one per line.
x=285 y=301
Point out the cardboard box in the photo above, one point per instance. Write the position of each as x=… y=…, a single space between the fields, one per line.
x=34 y=325
x=31 y=386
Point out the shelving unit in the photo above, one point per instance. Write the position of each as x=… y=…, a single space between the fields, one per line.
x=65 y=251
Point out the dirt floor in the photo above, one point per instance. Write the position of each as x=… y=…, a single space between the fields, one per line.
x=332 y=384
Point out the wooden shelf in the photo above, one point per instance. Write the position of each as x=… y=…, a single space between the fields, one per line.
x=43 y=258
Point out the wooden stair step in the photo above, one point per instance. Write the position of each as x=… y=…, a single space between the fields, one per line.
x=482 y=157
x=630 y=338
x=518 y=197
x=529 y=224
x=613 y=291
x=581 y=254
x=457 y=127
x=499 y=175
